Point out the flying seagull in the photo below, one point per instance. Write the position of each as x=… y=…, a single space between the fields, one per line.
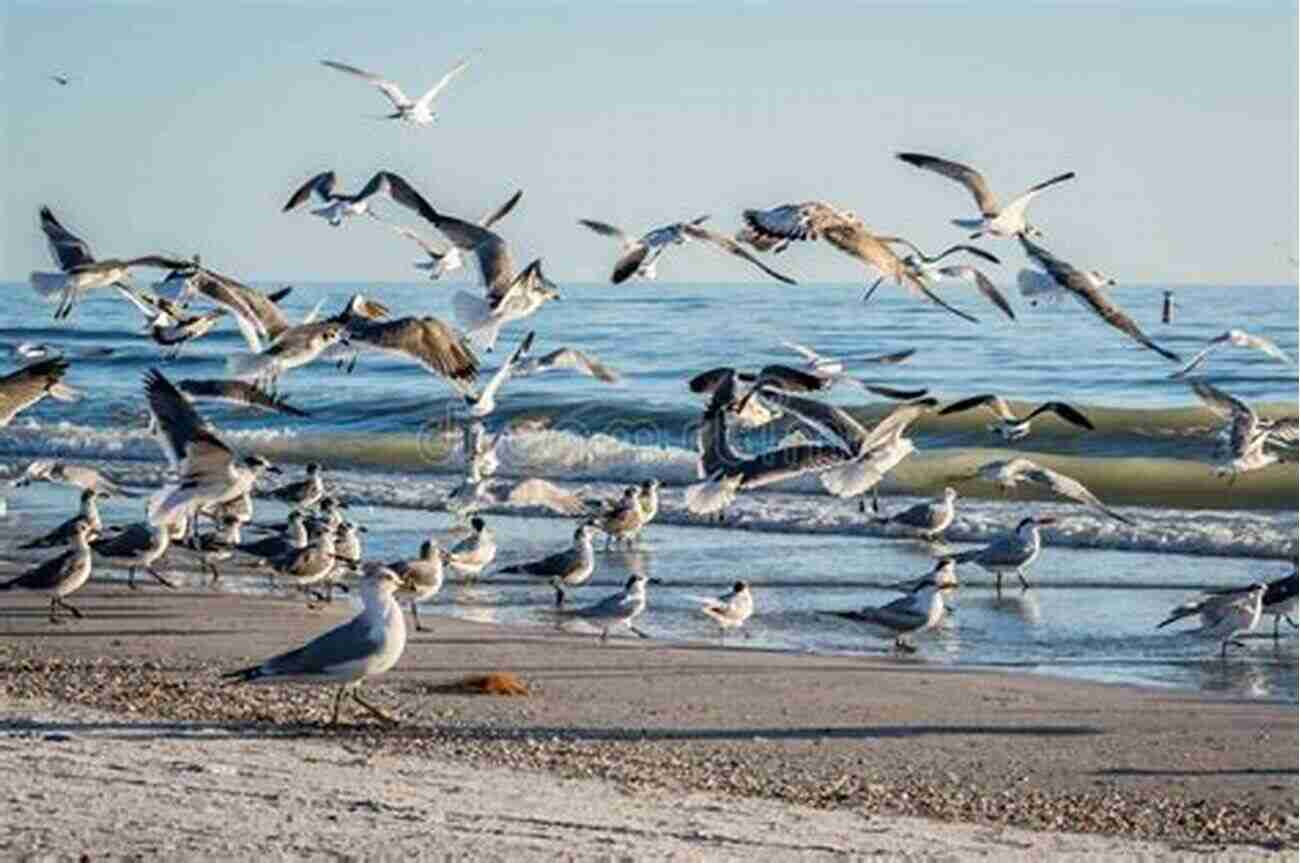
x=1012 y=472
x=79 y=272
x=21 y=389
x=1223 y=614
x=814 y=220
x=641 y=255
x=927 y=269
x=1236 y=338
x=340 y=205
x=443 y=261
x=994 y=219
x=1011 y=427
x=418 y=112
x=1248 y=435
x=1087 y=289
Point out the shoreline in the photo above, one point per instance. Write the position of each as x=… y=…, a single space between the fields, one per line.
x=867 y=734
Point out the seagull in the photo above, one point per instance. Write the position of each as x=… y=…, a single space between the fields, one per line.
x=60 y=576
x=293 y=539
x=369 y=644
x=1224 y=614
x=295 y=347
x=444 y=261
x=208 y=470
x=1236 y=338
x=930 y=519
x=256 y=314
x=21 y=389
x=1014 y=552
x=1247 y=435
x=240 y=393
x=469 y=556
x=1086 y=287
x=76 y=475
x=63 y=534
x=422 y=577
x=484 y=402
x=339 y=205
x=824 y=366
x=927 y=269
x=640 y=256
x=418 y=112
x=1279 y=599
x=305 y=493
x=569 y=568
x=918 y=611
x=731 y=610
x=216 y=546
x=1011 y=472
x=617 y=609
x=994 y=219
x=167 y=325
x=567 y=358
x=1009 y=427
x=814 y=220
x=61 y=80
x=137 y=546
x=727 y=244
x=624 y=518
x=79 y=271
x=306 y=566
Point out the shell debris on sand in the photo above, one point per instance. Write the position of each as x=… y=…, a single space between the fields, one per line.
x=636 y=759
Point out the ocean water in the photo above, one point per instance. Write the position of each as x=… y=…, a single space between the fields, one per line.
x=386 y=432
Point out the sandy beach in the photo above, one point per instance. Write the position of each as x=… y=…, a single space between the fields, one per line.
x=676 y=751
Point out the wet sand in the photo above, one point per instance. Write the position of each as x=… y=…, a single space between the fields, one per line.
x=874 y=736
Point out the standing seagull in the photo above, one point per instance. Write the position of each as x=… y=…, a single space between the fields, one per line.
x=618 y=609
x=1014 y=552
x=1224 y=615
x=814 y=220
x=63 y=534
x=60 y=576
x=919 y=610
x=419 y=112
x=27 y=386
x=1010 y=427
x=929 y=519
x=1236 y=338
x=444 y=261
x=306 y=492
x=731 y=610
x=569 y=568
x=1086 y=287
x=469 y=556
x=138 y=546
x=367 y=645
x=79 y=271
x=208 y=470
x=422 y=577
x=999 y=221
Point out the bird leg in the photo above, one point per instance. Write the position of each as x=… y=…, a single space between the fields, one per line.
x=1294 y=625
x=375 y=711
x=604 y=635
x=338 y=701
x=867 y=296
x=902 y=646
x=62 y=604
x=216 y=576
x=1023 y=583
x=559 y=596
x=130 y=578
x=164 y=582
x=415 y=612
x=999 y=585
x=54 y=608
x=639 y=633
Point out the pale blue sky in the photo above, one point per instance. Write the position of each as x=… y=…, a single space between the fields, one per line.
x=187 y=127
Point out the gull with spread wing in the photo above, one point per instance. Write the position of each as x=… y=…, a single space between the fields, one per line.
x=1236 y=338
x=1011 y=472
x=1010 y=427
x=994 y=219
x=21 y=389
x=443 y=261
x=641 y=255
x=1248 y=434
x=1087 y=288
x=417 y=112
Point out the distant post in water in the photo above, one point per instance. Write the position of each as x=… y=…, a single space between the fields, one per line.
x=1167 y=311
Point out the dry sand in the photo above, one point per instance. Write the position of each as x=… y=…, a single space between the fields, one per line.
x=636 y=750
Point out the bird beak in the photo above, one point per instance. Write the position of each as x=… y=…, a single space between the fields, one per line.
x=363 y=528
x=273 y=469
x=1046 y=520
x=654 y=581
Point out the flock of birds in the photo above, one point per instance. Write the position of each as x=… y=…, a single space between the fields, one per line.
x=317 y=545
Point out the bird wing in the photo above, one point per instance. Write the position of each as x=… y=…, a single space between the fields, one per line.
x=433 y=251
x=502 y=211
x=727 y=244
x=793 y=221
x=1195 y=362
x=1079 y=285
x=974 y=250
x=22 y=389
x=982 y=283
x=539 y=492
x=571 y=358
x=350 y=642
x=1260 y=343
x=68 y=250
x=1068 y=487
x=322 y=184
x=1017 y=207
x=1244 y=420
x=495 y=264
x=607 y=230
x=970 y=178
x=432 y=93
x=189 y=442
x=1066 y=412
x=829 y=421
x=1038 y=285
x=503 y=373
x=388 y=88
x=630 y=262
x=430 y=342
x=802 y=350
x=996 y=405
